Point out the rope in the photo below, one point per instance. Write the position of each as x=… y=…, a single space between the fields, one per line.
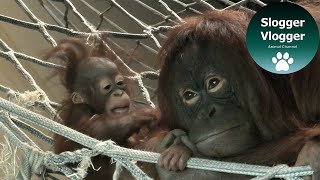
x=124 y=155
x=273 y=171
x=117 y=171
x=30 y=163
x=33 y=158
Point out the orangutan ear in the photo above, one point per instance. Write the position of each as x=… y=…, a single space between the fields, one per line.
x=77 y=98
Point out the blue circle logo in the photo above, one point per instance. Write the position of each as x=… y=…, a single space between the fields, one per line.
x=281 y=41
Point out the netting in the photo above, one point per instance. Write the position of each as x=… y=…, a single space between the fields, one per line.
x=135 y=31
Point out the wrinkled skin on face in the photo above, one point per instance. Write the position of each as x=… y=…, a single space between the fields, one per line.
x=227 y=107
x=205 y=96
x=206 y=103
x=103 y=87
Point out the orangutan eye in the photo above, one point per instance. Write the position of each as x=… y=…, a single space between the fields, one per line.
x=214 y=84
x=120 y=81
x=107 y=87
x=189 y=96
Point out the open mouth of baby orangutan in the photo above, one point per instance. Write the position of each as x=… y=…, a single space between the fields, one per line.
x=121 y=107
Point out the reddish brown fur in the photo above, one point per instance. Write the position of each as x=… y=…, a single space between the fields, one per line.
x=73 y=51
x=77 y=116
x=290 y=103
x=235 y=23
x=308 y=79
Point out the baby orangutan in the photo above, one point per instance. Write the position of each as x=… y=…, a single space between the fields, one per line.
x=98 y=102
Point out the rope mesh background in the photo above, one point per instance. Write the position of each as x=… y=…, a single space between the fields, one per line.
x=135 y=31
x=135 y=41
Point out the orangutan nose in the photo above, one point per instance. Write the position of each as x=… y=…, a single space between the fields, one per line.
x=118 y=93
x=212 y=111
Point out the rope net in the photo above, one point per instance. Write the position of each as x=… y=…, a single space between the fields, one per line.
x=135 y=31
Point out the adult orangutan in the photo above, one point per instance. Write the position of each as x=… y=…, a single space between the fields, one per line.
x=308 y=79
x=228 y=108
